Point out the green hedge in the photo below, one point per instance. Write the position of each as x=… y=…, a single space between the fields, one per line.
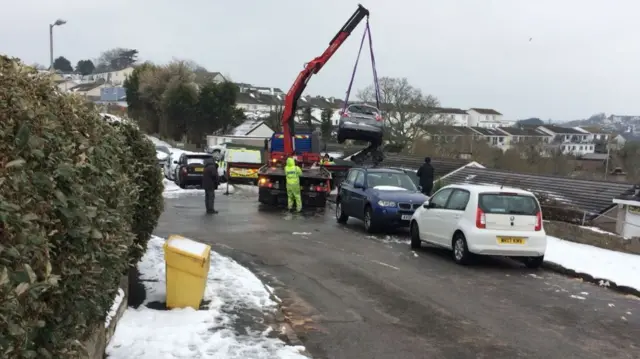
x=70 y=215
x=145 y=173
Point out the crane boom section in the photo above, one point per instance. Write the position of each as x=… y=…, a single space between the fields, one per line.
x=311 y=68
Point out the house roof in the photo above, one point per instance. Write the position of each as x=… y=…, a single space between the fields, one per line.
x=485 y=111
x=441 y=166
x=247 y=98
x=563 y=130
x=594 y=156
x=488 y=131
x=592 y=196
x=443 y=130
x=445 y=110
x=523 y=131
x=86 y=87
x=245 y=128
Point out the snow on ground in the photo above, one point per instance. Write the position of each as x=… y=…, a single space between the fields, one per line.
x=172 y=190
x=598 y=230
x=618 y=267
x=145 y=333
x=114 y=307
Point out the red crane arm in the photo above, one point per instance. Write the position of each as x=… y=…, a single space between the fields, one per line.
x=311 y=68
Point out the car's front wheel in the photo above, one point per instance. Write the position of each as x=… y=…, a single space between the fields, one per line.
x=416 y=242
x=341 y=217
x=369 y=226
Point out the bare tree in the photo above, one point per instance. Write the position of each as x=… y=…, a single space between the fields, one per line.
x=406 y=109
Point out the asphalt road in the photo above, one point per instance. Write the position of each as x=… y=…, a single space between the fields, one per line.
x=355 y=296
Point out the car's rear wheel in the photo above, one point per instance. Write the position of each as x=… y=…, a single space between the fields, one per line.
x=534 y=262
x=461 y=254
x=341 y=217
x=416 y=242
x=369 y=226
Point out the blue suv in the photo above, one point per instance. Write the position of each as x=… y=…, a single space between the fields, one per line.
x=380 y=197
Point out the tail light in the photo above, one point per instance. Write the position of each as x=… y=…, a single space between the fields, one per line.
x=378 y=118
x=346 y=114
x=481 y=219
x=184 y=170
x=538 y=221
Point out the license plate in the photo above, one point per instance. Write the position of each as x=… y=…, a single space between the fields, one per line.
x=198 y=169
x=406 y=217
x=511 y=240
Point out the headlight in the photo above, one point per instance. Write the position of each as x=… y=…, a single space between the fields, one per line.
x=386 y=203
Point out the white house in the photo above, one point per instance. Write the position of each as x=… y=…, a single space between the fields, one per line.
x=517 y=135
x=628 y=221
x=252 y=128
x=452 y=116
x=486 y=118
x=112 y=77
x=620 y=140
x=90 y=90
x=570 y=140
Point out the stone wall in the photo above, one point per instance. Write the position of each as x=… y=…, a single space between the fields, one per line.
x=96 y=343
x=574 y=233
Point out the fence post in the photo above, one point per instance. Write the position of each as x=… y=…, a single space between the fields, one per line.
x=584 y=217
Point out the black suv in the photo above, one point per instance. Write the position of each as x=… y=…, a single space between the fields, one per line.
x=190 y=169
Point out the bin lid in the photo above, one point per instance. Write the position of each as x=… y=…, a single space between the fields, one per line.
x=188 y=246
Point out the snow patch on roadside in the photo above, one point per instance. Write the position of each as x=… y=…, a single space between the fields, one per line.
x=172 y=190
x=144 y=333
x=114 y=307
x=618 y=267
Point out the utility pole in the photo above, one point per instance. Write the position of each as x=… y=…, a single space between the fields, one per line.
x=58 y=22
x=606 y=166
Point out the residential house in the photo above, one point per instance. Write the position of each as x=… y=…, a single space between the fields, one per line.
x=91 y=91
x=620 y=140
x=494 y=136
x=111 y=77
x=252 y=128
x=452 y=116
x=245 y=87
x=522 y=135
x=113 y=94
x=250 y=101
x=207 y=76
x=486 y=118
x=570 y=140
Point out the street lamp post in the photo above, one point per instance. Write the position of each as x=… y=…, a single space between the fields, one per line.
x=58 y=22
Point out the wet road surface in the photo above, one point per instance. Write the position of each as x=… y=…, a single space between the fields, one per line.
x=351 y=295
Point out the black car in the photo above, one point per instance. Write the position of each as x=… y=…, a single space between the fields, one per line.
x=190 y=168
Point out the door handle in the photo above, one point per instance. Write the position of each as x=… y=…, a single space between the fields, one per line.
x=457 y=216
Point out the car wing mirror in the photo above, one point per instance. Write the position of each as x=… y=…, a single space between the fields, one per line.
x=175 y=162
x=427 y=204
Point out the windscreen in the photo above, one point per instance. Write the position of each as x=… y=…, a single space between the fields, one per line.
x=390 y=179
x=197 y=159
x=366 y=110
x=508 y=203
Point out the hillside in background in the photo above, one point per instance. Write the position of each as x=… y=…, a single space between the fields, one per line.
x=612 y=123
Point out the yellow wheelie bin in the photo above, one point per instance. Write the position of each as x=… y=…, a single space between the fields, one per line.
x=187 y=266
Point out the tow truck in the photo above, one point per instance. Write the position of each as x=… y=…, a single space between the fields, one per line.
x=315 y=182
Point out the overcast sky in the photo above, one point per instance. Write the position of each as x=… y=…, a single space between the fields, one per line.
x=583 y=57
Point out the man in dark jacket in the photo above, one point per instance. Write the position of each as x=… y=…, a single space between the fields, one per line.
x=210 y=183
x=425 y=173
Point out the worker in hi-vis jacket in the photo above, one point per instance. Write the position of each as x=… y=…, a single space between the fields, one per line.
x=293 y=174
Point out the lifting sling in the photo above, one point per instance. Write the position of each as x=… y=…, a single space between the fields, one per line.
x=367 y=33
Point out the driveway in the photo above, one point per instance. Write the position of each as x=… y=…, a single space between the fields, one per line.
x=355 y=296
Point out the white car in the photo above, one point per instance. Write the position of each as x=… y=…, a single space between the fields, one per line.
x=171 y=165
x=482 y=220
